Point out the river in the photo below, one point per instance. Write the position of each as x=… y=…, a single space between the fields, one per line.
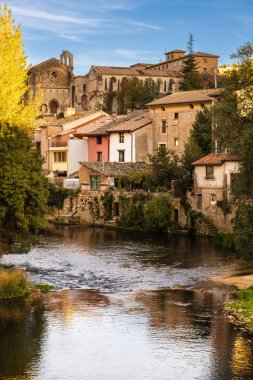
x=128 y=306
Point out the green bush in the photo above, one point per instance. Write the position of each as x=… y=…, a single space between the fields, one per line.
x=13 y=283
x=146 y=212
x=157 y=214
x=244 y=230
x=56 y=196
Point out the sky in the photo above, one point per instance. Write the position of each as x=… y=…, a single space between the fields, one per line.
x=124 y=32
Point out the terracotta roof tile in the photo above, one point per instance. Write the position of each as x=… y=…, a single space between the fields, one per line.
x=186 y=97
x=113 y=169
x=215 y=159
x=131 y=124
x=117 y=122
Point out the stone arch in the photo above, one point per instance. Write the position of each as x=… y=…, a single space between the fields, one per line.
x=44 y=108
x=172 y=85
x=113 y=80
x=84 y=102
x=54 y=105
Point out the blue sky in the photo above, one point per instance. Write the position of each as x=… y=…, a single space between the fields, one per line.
x=123 y=32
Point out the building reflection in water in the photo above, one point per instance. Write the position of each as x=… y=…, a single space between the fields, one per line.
x=194 y=315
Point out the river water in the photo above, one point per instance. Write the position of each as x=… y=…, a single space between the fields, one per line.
x=120 y=313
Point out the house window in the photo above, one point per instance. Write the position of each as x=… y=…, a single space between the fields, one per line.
x=99 y=139
x=164 y=87
x=99 y=156
x=191 y=106
x=164 y=126
x=205 y=60
x=106 y=84
x=209 y=172
x=121 y=137
x=38 y=145
x=121 y=156
x=176 y=115
x=60 y=156
x=161 y=146
x=94 y=182
x=175 y=141
x=202 y=105
x=163 y=108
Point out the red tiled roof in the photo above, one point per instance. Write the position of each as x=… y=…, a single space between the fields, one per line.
x=215 y=159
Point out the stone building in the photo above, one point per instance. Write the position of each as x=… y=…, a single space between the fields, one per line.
x=173 y=116
x=206 y=63
x=53 y=80
x=61 y=89
x=102 y=79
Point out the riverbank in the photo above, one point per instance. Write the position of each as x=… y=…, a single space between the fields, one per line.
x=241 y=282
x=241 y=308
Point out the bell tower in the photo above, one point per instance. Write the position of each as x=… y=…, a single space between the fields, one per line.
x=68 y=60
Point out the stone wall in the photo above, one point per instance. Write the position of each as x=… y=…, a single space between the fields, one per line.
x=88 y=206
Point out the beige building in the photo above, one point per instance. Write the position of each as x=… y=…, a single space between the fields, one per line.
x=206 y=63
x=173 y=116
x=213 y=175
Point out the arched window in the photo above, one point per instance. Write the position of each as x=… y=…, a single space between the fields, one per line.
x=54 y=105
x=84 y=88
x=44 y=108
x=113 y=80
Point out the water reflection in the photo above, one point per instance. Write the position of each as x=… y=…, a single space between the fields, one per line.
x=127 y=324
x=22 y=328
x=163 y=334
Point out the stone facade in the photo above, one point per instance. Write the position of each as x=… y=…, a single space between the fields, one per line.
x=52 y=80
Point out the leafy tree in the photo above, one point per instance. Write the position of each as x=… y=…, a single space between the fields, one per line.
x=135 y=94
x=23 y=190
x=165 y=167
x=243 y=229
x=56 y=196
x=190 y=76
x=233 y=118
x=14 y=109
x=201 y=132
x=191 y=153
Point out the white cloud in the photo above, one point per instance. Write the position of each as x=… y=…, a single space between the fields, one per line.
x=144 y=25
x=43 y=15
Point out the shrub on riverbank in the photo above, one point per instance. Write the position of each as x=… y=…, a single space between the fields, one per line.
x=242 y=308
x=13 y=283
x=146 y=212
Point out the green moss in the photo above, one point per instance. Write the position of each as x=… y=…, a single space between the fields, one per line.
x=242 y=308
x=44 y=287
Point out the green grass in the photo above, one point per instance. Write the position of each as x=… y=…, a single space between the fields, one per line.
x=44 y=287
x=243 y=307
x=13 y=283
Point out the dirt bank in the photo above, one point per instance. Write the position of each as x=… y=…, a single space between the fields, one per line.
x=240 y=281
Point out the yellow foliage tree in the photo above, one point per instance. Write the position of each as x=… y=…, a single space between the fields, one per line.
x=15 y=110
